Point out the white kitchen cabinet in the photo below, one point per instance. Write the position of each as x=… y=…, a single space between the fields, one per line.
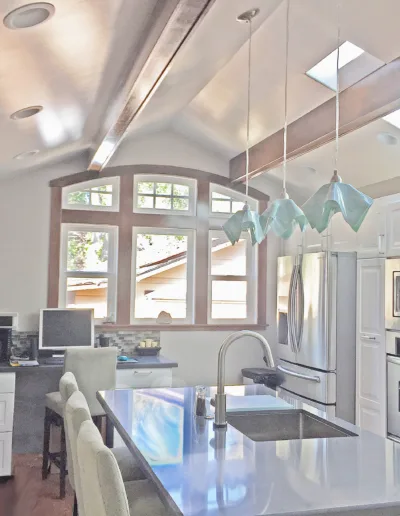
x=393 y=229
x=293 y=245
x=5 y=454
x=371 y=353
x=313 y=241
x=6 y=412
x=343 y=238
x=143 y=378
x=371 y=237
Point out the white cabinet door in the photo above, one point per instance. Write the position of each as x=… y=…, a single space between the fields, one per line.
x=393 y=229
x=143 y=378
x=343 y=238
x=5 y=454
x=371 y=353
x=372 y=233
x=7 y=382
x=6 y=412
x=293 y=245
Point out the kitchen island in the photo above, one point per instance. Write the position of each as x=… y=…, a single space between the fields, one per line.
x=201 y=471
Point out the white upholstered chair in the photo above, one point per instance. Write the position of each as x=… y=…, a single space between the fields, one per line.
x=76 y=412
x=103 y=490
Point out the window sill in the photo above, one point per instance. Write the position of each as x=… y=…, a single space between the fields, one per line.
x=180 y=327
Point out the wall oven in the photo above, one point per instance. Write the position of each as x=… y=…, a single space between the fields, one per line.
x=392 y=294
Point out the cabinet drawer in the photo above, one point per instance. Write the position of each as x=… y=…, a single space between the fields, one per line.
x=141 y=378
x=5 y=454
x=7 y=382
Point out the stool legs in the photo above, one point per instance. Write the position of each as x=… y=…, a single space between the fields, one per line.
x=63 y=463
x=46 y=444
x=57 y=458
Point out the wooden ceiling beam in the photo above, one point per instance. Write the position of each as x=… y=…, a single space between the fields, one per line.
x=171 y=24
x=369 y=99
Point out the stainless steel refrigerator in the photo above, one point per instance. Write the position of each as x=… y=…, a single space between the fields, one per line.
x=316 y=308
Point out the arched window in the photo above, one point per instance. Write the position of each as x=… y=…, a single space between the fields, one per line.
x=160 y=256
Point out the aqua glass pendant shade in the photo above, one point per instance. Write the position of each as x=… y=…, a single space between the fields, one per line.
x=244 y=220
x=282 y=217
x=333 y=198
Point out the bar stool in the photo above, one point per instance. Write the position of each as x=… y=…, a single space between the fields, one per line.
x=94 y=370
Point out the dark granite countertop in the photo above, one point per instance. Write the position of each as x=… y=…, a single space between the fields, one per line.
x=150 y=362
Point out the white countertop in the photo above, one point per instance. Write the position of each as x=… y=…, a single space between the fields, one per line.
x=346 y=475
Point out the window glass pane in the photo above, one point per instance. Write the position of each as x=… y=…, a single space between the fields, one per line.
x=145 y=187
x=88 y=293
x=87 y=251
x=236 y=206
x=163 y=188
x=145 y=201
x=227 y=259
x=101 y=199
x=216 y=195
x=229 y=300
x=79 y=198
x=102 y=188
x=181 y=190
x=161 y=276
x=221 y=206
x=163 y=203
x=180 y=203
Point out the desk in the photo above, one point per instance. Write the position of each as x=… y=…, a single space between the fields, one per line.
x=33 y=383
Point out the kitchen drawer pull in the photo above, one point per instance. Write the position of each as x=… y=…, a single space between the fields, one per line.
x=368 y=338
x=142 y=373
x=316 y=379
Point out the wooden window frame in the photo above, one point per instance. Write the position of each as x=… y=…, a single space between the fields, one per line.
x=126 y=219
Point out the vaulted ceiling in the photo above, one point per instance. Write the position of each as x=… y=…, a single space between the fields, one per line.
x=76 y=63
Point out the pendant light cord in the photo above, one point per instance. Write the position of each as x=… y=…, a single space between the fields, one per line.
x=286 y=99
x=248 y=109
x=337 y=89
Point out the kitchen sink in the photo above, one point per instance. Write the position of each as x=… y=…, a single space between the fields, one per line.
x=284 y=425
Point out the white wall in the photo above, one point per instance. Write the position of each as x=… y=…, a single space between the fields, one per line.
x=24 y=230
x=169 y=148
x=24 y=237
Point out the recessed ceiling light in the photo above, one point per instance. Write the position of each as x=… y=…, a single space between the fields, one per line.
x=325 y=70
x=26 y=112
x=393 y=118
x=24 y=155
x=29 y=15
x=387 y=139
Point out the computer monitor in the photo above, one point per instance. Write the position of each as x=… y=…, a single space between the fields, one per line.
x=62 y=328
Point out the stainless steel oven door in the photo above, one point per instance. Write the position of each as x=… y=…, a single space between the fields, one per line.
x=393 y=392
x=392 y=294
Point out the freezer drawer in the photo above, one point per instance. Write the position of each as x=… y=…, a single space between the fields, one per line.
x=308 y=383
x=393 y=393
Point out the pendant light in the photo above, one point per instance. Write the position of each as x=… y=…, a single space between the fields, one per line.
x=246 y=219
x=337 y=196
x=283 y=215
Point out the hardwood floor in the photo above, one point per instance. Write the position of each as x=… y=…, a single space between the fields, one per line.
x=28 y=495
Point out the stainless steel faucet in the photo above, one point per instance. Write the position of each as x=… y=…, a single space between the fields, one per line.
x=220 y=397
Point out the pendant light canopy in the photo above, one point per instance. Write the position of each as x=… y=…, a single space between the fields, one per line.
x=337 y=196
x=246 y=219
x=284 y=215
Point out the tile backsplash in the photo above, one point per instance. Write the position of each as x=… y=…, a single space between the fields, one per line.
x=126 y=340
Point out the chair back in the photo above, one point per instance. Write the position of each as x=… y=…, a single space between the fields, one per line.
x=67 y=387
x=76 y=412
x=94 y=370
x=102 y=485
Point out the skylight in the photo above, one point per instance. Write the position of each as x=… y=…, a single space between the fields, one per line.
x=325 y=71
x=393 y=118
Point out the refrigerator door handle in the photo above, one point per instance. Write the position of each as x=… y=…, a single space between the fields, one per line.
x=300 y=311
x=315 y=379
x=291 y=311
